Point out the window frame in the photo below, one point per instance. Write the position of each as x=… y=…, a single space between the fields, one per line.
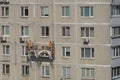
x=87 y=34
x=45 y=31
x=25 y=70
x=116 y=52
x=114 y=32
x=87 y=73
x=64 y=50
x=65 y=31
x=116 y=72
x=4 y=30
x=64 y=11
x=5 y=12
x=23 y=31
x=5 y=48
x=44 y=11
x=24 y=11
x=6 y=69
x=24 y=51
x=90 y=11
x=84 y=53
x=65 y=73
x=45 y=69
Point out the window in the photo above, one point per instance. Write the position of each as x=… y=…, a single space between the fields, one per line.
x=5 y=30
x=66 y=72
x=116 y=71
x=45 y=30
x=44 y=11
x=116 y=51
x=65 y=31
x=25 y=31
x=87 y=11
x=24 y=11
x=116 y=31
x=5 y=11
x=6 y=69
x=88 y=73
x=66 y=52
x=45 y=71
x=115 y=10
x=87 y=52
x=24 y=51
x=6 y=49
x=65 y=11
x=25 y=69
x=87 y=32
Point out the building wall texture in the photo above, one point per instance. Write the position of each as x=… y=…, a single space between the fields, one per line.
x=101 y=42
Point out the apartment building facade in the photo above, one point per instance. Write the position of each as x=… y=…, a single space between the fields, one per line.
x=81 y=33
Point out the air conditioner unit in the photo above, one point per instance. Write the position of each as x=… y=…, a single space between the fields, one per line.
x=3 y=39
x=86 y=41
x=22 y=40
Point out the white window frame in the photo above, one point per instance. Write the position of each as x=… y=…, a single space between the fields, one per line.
x=25 y=70
x=116 y=31
x=64 y=11
x=23 y=31
x=4 y=66
x=24 y=51
x=65 y=52
x=90 y=14
x=44 y=71
x=87 y=74
x=5 y=48
x=116 y=72
x=83 y=54
x=116 y=52
x=115 y=11
x=44 y=11
x=5 y=12
x=66 y=72
x=44 y=32
x=65 y=31
x=4 y=32
x=23 y=11
x=84 y=32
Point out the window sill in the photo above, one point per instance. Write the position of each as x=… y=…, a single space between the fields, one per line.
x=7 y=55
x=24 y=36
x=7 y=74
x=115 y=37
x=87 y=58
x=66 y=37
x=115 y=77
x=27 y=75
x=88 y=78
x=24 y=55
x=44 y=16
x=44 y=36
x=113 y=16
x=45 y=76
x=24 y=16
x=116 y=57
x=4 y=16
x=89 y=17
x=65 y=16
x=66 y=57
x=87 y=37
